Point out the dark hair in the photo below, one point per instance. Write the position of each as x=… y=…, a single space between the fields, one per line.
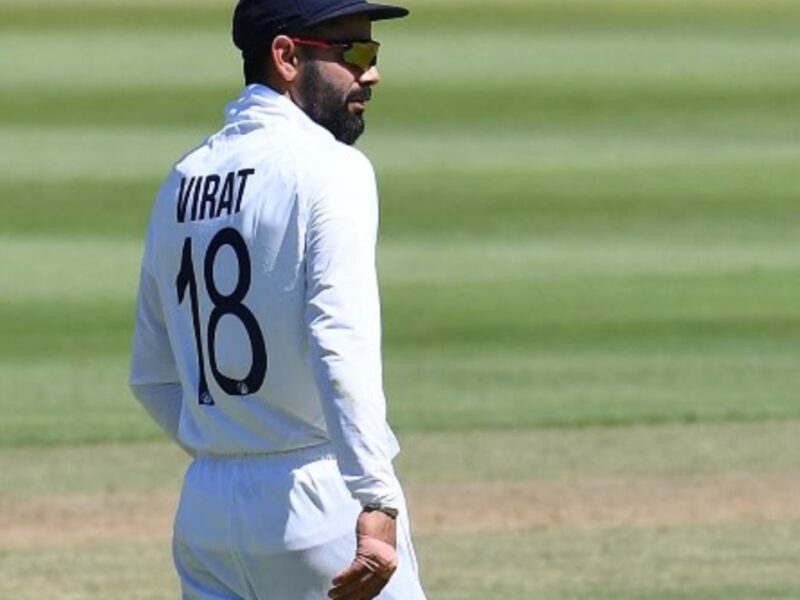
x=257 y=65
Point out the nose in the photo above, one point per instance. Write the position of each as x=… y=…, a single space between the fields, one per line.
x=370 y=77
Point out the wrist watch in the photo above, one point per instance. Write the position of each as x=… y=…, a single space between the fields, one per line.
x=387 y=510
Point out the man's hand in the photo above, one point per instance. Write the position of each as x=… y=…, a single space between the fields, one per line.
x=375 y=562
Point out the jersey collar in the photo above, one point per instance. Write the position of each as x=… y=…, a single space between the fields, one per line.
x=258 y=102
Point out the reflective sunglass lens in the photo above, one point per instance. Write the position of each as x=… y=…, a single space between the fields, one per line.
x=362 y=54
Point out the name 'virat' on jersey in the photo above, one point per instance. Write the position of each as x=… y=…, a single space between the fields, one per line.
x=211 y=195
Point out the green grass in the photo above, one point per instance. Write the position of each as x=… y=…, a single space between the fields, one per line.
x=589 y=262
x=137 y=571
x=691 y=562
x=747 y=559
x=671 y=451
x=552 y=344
x=713 y=563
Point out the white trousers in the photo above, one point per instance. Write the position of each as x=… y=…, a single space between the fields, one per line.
x=274 y=527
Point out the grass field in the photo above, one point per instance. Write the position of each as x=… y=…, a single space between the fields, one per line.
x=589 y=262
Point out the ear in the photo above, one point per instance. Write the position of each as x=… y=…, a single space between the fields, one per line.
x=284 y=57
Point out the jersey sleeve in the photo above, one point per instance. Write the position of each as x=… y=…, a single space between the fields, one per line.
x=163 y=402
x=344 y=325
x=152 y=359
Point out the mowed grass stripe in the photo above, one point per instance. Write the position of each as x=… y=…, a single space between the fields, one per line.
x=519 y=151
x=718 y=450
x=56 y=15
x=78 y=16
x=719 y=205
x=649 y=312
x=39 y=268
x=152 y=107
x=38 y=154
x=85 y=399
x=685 y=451
x=67 y=207
x=89 y=5
x=75 y=397
x=459 y=358
x=92 y=59
x=133 y=153
x=55 y=327
x=104 y=59
x=555 y=259
x=735 y=108
x=478 y=387
x=58 y=269
x=677 y=204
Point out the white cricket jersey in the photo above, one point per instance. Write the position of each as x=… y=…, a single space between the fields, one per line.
x=259 y=295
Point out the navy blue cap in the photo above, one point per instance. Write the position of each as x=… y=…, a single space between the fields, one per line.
x=256 y=22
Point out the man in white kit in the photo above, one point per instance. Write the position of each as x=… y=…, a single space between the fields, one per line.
x=258 y=337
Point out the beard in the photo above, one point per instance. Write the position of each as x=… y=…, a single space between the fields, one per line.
x=327 y=106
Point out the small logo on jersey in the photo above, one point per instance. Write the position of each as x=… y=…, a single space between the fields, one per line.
x=243 y=389
x=206 y=399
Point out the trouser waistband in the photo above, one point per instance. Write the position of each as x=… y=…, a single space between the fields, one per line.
x=304 y=454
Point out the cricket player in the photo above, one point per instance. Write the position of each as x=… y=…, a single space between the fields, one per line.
x=258 y=336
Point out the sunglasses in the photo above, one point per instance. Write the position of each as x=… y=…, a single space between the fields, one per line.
x=362 y=54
